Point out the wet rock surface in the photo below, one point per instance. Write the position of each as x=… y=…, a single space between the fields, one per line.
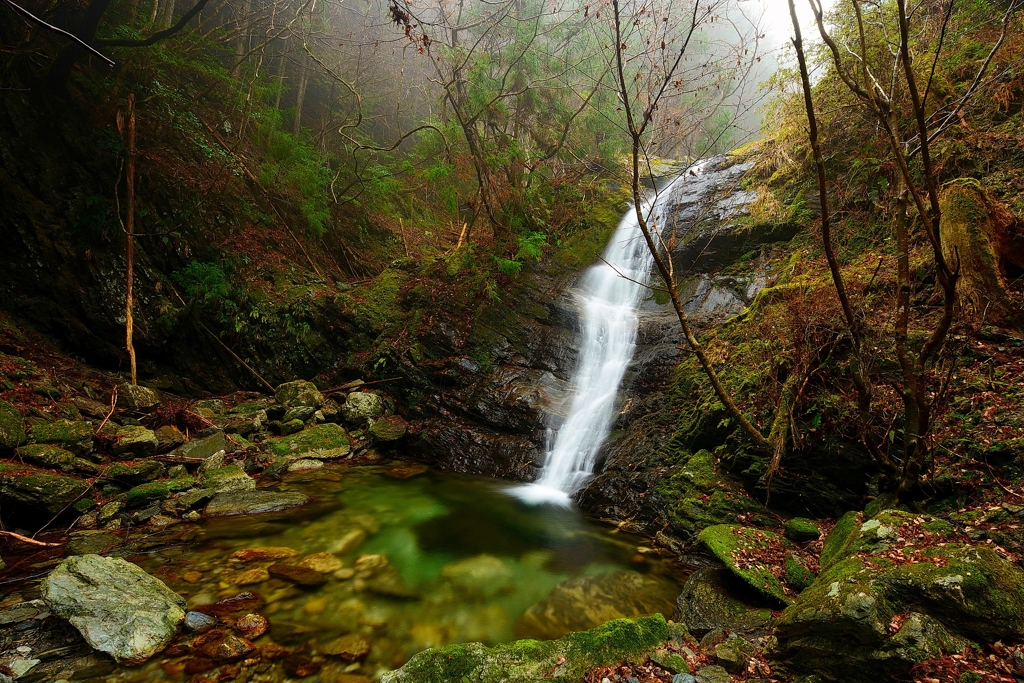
x=118 y=608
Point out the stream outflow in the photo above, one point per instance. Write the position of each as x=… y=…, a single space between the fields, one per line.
x=611 y=292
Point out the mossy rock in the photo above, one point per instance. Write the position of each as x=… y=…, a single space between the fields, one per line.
x=158 y=490
x=131 y=440
x=135 y=473
x=228 y=479
x=41 y=490
x=390 y=428
x=698 y=496
x=533 y=661
x=48 y=455
x=299 y=393
x=838 y=541
x=75 y=436
x=12 y=430
x=843 y=621
x=708 y=603
x=136 y=397
x=323 y=442
x=729 y=543
x=801 y=529
x=361 y=407
x=797 y=576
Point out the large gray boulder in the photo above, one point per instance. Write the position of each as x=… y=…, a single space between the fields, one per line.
x=118 y=608
x=361 y=407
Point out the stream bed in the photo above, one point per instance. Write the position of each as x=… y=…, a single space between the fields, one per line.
x=404 y=559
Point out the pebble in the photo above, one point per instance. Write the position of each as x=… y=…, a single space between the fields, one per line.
x=325 y=563
x=197 y=622
x=315 y=606
x=684 y=678
x=251 y=576
x=252 y=625
x=264 y=553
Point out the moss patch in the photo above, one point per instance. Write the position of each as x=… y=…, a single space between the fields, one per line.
x=739 y=549
x=323 y=442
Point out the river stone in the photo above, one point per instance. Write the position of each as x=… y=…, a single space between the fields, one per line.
x=569 y=658
x=325 y=563
x=296 y=574
x=252 y=503
x=713 y=674
x=118 y=608
x=75 y=436
x=588 y=601
x=202 y=448
x=42 y=490
x=350 y=648
x=48 y=455
x=91 y=542
x=264 y=553
x=135 y=473
x=323 y=442
x=136 y=397
x=305 y=465
x=131 y=440
x=301 y=413
x=481 y=577
x=390 y=428
x=90 y=408
x=360 y=407
x=299 y=393
x=12 y=431
x=707 y=602
x=197 y=622
x=228 y=479
x=168 y=437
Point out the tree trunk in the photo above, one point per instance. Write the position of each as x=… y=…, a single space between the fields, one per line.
x=242 y=46
x=168 y=17
x=300 y=96
x=987 y=241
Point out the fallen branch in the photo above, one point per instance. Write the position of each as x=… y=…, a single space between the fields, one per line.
x=30 y=541
x=50 y=27
x=359 y=384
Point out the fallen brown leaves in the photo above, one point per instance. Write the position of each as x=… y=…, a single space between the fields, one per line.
x=993 y=664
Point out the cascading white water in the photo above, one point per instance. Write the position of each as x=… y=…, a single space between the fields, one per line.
x=612 y=292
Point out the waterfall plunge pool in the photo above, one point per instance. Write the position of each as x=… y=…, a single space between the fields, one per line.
x=406 y=564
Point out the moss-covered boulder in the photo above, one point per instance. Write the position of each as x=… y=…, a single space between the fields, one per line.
x=72 y=435
x=47 y=455
x=12 y=431
x=527 y=661
x=136 y=397
x=135 y=473
x=299 y=393
x=159 y=490
x=361 y=407
x=801 y=530
x=40 y=490
x=130 y=440
x=742 y=549
x=228 y=479
x=709 y=601
x=390 y=428
x=895 y=591
x=698 y=496
x=323 y=442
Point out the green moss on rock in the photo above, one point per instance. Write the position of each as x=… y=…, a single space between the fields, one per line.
x=12 y=431
x=47 y=455
x=75 y=436
x=323 y=442
x=737 y=548
x=839 y=539
x=41 y=490
x=299 y=393
x=534 y=661
x=801 y=529
x=390 y=428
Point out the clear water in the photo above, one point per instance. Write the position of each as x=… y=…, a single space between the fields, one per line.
x=424 y=526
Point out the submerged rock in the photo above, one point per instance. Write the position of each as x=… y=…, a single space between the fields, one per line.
x=118 y=608
x=525 y=661
x=299 y=393
x=480 y=577
x=253 y=503
x=588 y=601
x=350 y=648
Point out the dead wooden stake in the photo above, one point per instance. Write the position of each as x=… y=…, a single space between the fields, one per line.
x=130 y=230
x=462 y=235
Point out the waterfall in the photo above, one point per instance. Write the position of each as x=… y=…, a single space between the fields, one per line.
x=611 y=293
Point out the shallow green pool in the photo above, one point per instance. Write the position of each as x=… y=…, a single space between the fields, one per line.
x=410 y=563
